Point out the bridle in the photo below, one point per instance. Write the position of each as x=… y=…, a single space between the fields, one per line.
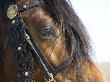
x=25 y=49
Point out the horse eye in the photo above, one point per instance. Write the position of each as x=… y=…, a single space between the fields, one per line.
x=48 y=32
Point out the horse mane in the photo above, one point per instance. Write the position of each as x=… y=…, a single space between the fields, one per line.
x=63 y=13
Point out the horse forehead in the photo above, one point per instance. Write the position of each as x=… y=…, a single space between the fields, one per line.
x=37 y=2
x=23 y=2
x=38 y=14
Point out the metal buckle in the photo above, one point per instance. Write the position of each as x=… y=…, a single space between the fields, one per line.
x=12 y=11
x=51 y=78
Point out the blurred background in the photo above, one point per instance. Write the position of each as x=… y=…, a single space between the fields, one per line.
x=95 y=15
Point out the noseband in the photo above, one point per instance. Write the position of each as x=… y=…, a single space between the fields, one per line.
x=25 y=49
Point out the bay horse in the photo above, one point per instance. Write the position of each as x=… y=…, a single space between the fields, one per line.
x=56 y=39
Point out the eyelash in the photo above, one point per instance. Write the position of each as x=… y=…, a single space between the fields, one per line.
x=48 y=32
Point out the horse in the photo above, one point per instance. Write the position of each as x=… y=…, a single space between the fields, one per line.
x=60 y=37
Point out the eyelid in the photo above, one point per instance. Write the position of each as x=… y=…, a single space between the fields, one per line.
x=48 y=32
